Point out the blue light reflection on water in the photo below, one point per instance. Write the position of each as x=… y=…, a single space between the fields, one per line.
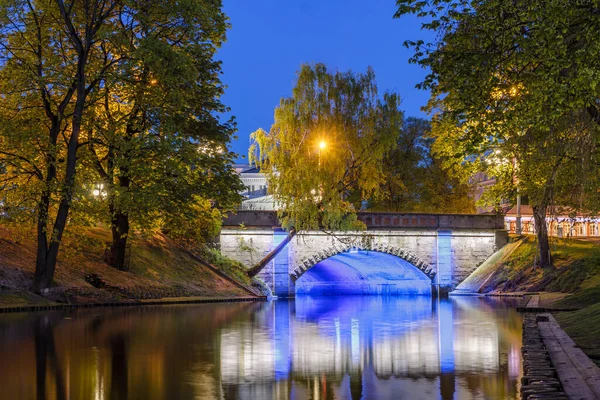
x=377 y=347
x=334 y=347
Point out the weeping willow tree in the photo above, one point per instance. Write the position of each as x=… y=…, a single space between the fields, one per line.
x=323 y=155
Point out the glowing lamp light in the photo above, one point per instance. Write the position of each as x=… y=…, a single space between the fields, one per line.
x=322 y=144
x=99 y=191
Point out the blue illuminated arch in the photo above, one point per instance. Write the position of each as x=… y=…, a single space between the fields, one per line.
x=406 y=255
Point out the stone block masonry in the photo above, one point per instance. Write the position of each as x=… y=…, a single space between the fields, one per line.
x=446 y=255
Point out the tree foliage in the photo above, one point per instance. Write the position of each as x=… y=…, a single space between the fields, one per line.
x=48 y=62
x=123 y=94
x=416 y=179
x=324 y=152
x=155 y=139
x=515 y=92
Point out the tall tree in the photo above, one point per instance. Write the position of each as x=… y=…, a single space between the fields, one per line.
x=47 y=58
x=156 y=140
x=521 y=80
x=324 y=152
x=129 y=85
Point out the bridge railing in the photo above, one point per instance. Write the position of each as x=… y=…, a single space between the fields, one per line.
x=380 y=220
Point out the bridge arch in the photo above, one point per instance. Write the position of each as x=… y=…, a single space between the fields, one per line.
x=309 y=262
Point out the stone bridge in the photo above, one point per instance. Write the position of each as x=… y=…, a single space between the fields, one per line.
x=398 y=253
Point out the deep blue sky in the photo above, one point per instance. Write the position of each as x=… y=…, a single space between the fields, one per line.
x=270 y=39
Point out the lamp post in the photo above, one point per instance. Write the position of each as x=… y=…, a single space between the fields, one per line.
x=518 y=224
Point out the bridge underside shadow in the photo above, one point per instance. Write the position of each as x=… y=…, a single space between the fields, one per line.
x=364 y=273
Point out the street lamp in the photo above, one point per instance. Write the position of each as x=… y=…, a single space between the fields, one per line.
x=98 y=191
x=322 y=146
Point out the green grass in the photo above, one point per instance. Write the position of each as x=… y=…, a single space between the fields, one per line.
x=233 y=269
x=575 y=270
x=583 y=327
x=576 y=266
x=581 y=299
x=21 y=299
x=158 y=268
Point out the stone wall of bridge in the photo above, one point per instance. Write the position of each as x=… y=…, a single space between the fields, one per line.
x=450 y=254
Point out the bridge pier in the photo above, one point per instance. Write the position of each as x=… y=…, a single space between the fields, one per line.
x=283 y=285
x=443 y=278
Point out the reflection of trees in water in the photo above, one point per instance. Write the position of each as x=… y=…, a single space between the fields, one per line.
x=248 y=351
x=117 y=353
x=46 y=358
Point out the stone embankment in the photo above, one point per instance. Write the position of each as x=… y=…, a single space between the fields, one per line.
x=540 y=379
x=150 y=302
x=554 y=368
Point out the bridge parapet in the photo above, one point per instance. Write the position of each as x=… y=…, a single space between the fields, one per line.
x=379 y=220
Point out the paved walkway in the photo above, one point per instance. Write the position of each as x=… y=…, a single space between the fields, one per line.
x=579 y=376
x=542 y=303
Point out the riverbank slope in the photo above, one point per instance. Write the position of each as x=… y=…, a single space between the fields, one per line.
x=573 y=282
x=159 y=269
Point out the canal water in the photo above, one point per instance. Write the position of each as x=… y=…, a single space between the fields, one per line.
x=355 y=347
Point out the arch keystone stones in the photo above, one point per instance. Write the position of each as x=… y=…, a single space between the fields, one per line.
x=404 y=254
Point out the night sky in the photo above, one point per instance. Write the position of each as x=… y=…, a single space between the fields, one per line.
x=270 y=39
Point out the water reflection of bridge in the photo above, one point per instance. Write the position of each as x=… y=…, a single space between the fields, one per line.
x=351 y=344
x=363 y=347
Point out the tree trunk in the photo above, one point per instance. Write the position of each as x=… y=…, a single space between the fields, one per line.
x=42 y=277
x=120 y=223
x=262 y=263
x=120 y=233
x=541 y=229
x=47 y=253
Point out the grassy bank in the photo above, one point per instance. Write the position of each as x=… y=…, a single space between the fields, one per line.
x=575 y=272
x=158 y=269
x=576 y=266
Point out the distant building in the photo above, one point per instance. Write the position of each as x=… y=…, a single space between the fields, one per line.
x=560 y=222
x=255 y=194
x=254 y=180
